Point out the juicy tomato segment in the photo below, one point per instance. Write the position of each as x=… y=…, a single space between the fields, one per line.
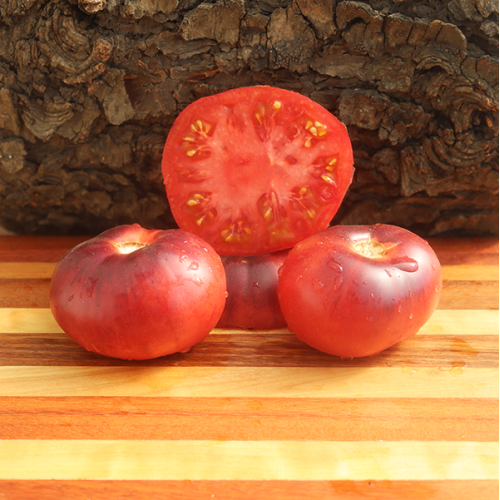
x=256 y=169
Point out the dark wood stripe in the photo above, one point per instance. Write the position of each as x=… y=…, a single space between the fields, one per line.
x=322 y=419
x=36 y=248
x=450 y=251
x=278 y=349
x=251 y=490
x=455 y=294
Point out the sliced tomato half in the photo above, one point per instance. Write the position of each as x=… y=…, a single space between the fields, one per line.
x=254 y=170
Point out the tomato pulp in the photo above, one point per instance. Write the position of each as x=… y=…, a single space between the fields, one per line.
x=254 y=170
x=354 y=291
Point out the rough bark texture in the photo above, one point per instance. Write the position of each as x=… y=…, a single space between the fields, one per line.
x=90 y=88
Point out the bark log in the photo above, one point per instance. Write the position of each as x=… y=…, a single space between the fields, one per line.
x=90 y=88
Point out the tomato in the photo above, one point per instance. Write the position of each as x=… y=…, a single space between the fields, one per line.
x=254 y=170
x=252 y=286
x=134 y=293
x=356 y=290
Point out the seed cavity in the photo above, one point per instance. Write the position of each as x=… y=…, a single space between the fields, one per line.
x=237 y=231
x=199 y=207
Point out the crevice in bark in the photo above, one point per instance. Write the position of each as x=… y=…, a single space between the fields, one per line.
x=90 y=88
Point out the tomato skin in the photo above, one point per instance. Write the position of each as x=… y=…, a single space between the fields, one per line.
x=160 y=299
x=252 y=286
x=254 y=170
x=351 y=305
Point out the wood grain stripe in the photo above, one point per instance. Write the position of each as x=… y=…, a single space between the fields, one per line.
x=24 y=270
x=252 y=490
x=247 y=419
x=42 y=270
x=250 y=349
x=460 y=294
x=454 y=322
x=247 y=460
x=178 y=381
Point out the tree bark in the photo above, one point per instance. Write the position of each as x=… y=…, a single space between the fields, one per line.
x=90 y=88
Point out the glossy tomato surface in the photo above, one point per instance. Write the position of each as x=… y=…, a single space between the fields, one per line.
x=133 y=293
x=256 y=169
x=252 y=286
x=356 y=290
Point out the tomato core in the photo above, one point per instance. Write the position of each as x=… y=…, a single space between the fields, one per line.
x=369 y=248
x=129 y=246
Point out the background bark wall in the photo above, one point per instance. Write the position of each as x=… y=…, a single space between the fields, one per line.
x=90 y=88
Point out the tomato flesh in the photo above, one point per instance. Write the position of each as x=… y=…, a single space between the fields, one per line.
x=354 y=291
x=255 y=170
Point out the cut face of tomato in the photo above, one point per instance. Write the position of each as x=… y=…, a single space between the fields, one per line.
x=255 y=170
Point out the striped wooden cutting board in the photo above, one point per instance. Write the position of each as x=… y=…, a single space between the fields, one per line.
x=246 y=414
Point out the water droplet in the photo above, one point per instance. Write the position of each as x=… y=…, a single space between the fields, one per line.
x=433 y=267
x=399 y=307
x=436 y=289
x=226 y=295
x=70 y=298
x=409 y=369
x=332 y=263
x=337 y=283
x=406 y=264
x=388 y=273
x=411 y=315
x=280 y=270
x=255 y=284
x=193 y=266
x=318 y=284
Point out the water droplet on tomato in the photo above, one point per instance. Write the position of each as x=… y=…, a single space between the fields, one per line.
x=226 y=294
x=318 y=284
x=411 y=315
x=388 y=273
x=436 y=289
x=337 y=283
x=193 y=266
x=70 y=298
x=433 y=267
x=280 y=270
x=399 y=307
x=255 y=284
x=333 y=264
x=406 y=264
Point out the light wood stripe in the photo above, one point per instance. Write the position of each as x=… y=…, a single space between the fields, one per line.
x=247 y=460
x=252 y=419
x=471 y=273
x=443 y=322
x=39 y=270
x=290 y=382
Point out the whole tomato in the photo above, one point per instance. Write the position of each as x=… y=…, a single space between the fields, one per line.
x=134 y=293
x=356 y=290
x=252 y=286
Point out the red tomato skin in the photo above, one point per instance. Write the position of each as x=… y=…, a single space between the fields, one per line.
x=252 y=286
x=350 y=305
x=162 y=298
x=246 y=187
